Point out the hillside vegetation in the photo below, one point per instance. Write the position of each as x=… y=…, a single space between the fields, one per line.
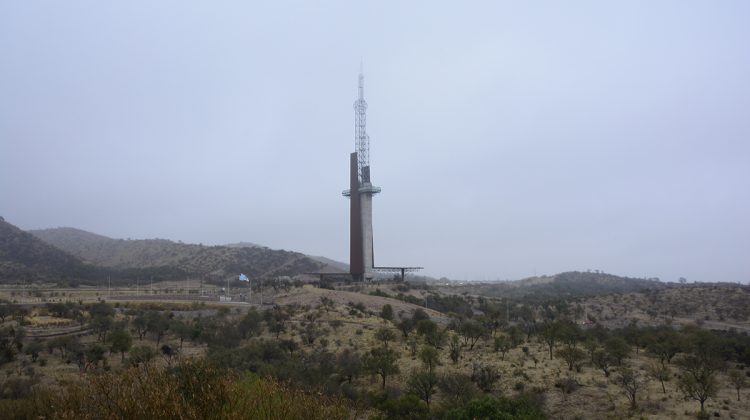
x=370 y=351
x=25 y=258
x=563 y=285
x=191 y=259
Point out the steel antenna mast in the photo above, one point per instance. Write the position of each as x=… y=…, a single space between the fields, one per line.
x=362 y=140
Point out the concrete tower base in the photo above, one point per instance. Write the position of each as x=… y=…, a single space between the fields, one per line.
x=368 y=257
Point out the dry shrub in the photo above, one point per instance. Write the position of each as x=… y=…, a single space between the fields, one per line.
x=192 y=390
x=267 y=399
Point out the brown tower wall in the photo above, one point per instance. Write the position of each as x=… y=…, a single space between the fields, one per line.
x=356 y=257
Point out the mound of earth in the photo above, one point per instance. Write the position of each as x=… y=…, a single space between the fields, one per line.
x=312 y=296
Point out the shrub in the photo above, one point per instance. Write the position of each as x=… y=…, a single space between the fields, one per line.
x=407 y=407
x=192 y=390
x=500 y=408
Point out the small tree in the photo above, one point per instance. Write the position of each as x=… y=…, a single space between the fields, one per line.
x=572 y=356
x=432 y=333
x=140 y=324
x=457 y=389
x=660 y=373
x=484 y=376
x=101 y=324
x=550 y=333
x=454 y=349
x=471 y=331
x=157 y=324
x=384 y=335
x=250 y=325
x=422 y=383
x=387 y=312
x=33 y=348
x=602 y=361
x=698 y=379
x=289 y=345
x=310 y=334
x=88 y=357
x=429 y=357
x=630 y=382
x=419 y=315
x=276 y=327
x=121 y=341
x=349 y=364
x=617 y=348
x=140 y=355
x=406 y=326
x=503 y=345
x=169 y=353
x=381 y=361
x=738 y=380
x=665 y=344
x=5 y=311
x=327 y=303
x=11 y=342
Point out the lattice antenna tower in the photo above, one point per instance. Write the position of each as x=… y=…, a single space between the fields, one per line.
x=361 y=139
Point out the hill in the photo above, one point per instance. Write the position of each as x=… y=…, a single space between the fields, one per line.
x=192 y=259
x=25 y=258
x=717 y=306
x=563 y=285
x=333 y=265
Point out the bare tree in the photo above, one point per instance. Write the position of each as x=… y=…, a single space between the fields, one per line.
x=660 y=373
x=738 y=380
x=631 y=382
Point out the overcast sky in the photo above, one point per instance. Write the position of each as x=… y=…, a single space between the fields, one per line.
x=509 y=138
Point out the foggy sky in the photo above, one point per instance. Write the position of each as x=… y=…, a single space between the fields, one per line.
x=509 y=138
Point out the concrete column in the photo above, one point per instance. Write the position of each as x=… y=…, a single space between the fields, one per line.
x=367 y=249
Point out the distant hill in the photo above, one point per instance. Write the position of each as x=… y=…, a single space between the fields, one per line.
x=220 y=261
x=563 y=285
x=25 y=258
x=333 y=265
x=244 y=245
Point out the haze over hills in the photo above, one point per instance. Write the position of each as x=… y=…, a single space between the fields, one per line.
x=52 y=254
x=194 y=259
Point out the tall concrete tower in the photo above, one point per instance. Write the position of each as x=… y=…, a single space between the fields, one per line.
x=360 y=193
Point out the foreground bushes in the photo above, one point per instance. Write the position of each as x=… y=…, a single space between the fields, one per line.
x=500 y=408
x=192 y=390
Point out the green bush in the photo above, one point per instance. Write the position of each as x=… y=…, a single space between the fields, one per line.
x=408 y=407
x=496 y=408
